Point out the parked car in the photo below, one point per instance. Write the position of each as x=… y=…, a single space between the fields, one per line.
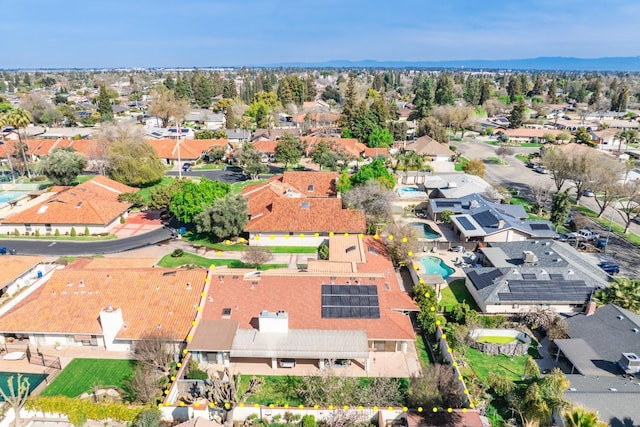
x=569 y=238
x=588 y=193
x=610 y=267
x=541 y=169
x=186 y=167
x=585 y=234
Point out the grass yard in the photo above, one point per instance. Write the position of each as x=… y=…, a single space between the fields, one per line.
x=423 y=355
x=145 y=191
x=168 y=261
x=615 y=228
x=203 y=240
x=237 y=187
x=462 y=160
x=481 y=364
x=456 y=293
x=497 y=161
x=83 y=374
x=277 y=390
x=524 y=158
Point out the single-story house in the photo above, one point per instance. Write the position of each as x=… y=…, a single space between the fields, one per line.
x=454 y=185
x=601 y=341
x=528 y=134
x=206 y=118
x=267 y=148
x=169 y=150
x=20 y=271
x=92 y=205
x=517 y=277
x=606 y=139
x=308 y=317
x=108 y=308
x=429 y=147
x=237 y=135
x=274 y=134
x=474 y=218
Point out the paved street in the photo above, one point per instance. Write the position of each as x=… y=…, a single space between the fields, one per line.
x=517 y=176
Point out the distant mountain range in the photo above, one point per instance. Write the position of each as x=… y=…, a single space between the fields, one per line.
x=556 y=63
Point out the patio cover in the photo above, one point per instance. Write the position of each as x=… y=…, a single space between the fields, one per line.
x=581 y=356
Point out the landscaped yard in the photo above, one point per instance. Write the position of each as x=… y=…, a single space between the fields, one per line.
x=187 y=258
x=497 y=161
x=615 y=228
x=481 y=364
x=456 y=293
x=460 y=163
x=203 y=240
x=145 y=191
x=277 y=390
x=237 y=187
x=83 y=374
x=423 y=355
x=495 y=339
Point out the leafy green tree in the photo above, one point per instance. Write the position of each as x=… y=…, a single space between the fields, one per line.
x=376 y=170
x=211 y=134
x=349 y=109
x=134 y=162
x=192 y=198
x=583 y=137
x=500 y=384
x=310 y=89
x=331 y=93
x=62 y=166
x=516 y=117
x=169 y=83
x=183 y=89
x=227 y=217
x=624 y=292
x=560 y=207
x=446 y=214
x=160 y=196
x=380 y=138
x=104 y=104
x=472 y=90
x=229 y=89
x=514 y=87
x=343 y=183
x=485 y=91
x=289 y=150
x=250 y=160
x=552 y=91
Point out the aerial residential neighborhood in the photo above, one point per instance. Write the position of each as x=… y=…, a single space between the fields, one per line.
x=237 y=221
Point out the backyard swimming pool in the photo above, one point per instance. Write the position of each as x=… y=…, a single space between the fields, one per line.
x=410 y=192
x=34 y=381
x=425 y=230
x=434 y=265
x=7 y=196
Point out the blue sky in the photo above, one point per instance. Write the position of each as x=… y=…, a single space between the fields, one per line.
x=199 y=33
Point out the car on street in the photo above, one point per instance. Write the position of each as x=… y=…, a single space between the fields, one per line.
x=588 y=193
x=585 y=234
x=541 y=169
x=186 y=167
x=610 y=267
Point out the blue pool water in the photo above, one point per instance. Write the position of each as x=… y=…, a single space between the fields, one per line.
x=424 y=229
x=410 y=192
x=434 y=265
x=7 y=196
x=34 y=381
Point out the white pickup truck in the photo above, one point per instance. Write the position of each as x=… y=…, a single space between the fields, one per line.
x=585 y=234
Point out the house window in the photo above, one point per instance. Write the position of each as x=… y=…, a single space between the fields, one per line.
x=27 y=228
x=47 y=228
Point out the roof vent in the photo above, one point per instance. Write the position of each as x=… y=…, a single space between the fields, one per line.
x=613 y=389
x=573 y=389
x=109 y=309
x=635 y=330
x=305 y=205
x=620 y=317
x=188 y=286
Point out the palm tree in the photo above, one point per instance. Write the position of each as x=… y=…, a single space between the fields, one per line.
x=19 y=118
x=623 y=292
x=579 y=416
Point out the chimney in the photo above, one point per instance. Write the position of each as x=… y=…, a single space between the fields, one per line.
x=111 y=322
x=500 y=223
x=590 y=308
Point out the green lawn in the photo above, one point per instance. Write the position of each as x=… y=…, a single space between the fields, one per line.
x=423 y=355
x=169 y=261
x=615 y=228
x=203 y=240
x=481 y=364
x=82 y=178
x=461 y=161
x=144 y=192
x=208 y=166
x=523 y=157
x=492 y=141
x=531 y=144
x=82 y=374
x=237 y=187
x=456 y=293
x=277 y=390
x=497 y=161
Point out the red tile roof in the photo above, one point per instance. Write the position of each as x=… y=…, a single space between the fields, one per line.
x=70 y=302
x=265 y=146
x=94 y=202
x=190 y=149
x=351 y=146
x=15 y=266
x=299 y=294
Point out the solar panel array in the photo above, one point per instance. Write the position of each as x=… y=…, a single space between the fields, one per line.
x=465 y=223
x=546 y=290
x=350 y=302
x=540 y=227
x=446 y=203
x=486 y=219
x=484 y=280
x=529 y=276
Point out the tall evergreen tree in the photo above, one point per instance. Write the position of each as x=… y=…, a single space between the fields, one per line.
x=551 y=93
x=104 y=105
x=538 y=86
x=285 y=94
x=229 y=89
x=472 y=90
x=516 y=118
x=423 y=99
x=349 y=108
x=514 y=87
x=310 y=92
x=444 y=90
x=183 y=88
x=485 y=91
x=169 y=83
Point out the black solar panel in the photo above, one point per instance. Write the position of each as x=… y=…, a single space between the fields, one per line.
x=546 y=290
x=486 y=219
x=540 y=227
x=481 y=281
x=350 y=302
x=528 y=276
x=556 y=276
x=446 y=203
x=465 y=223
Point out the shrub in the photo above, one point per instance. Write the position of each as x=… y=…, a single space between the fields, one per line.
x=309 y=421
x=79 y=411
x=323 y=251
x=86 y=231
x=122 y=220
x=73 y=232
x=177 y=253
x=37 y=233
x=16 y=232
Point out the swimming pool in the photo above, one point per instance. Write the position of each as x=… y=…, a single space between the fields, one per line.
x=410 y=192
x=7 y=196
x=426 y=230
x=34 y=381
x=434 y=265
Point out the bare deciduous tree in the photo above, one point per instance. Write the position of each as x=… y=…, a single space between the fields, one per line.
x=155 y=352
x=166 y=106
x=256 y=255
x=541 y=191
x=143 y=385
x=16 y=397
x=225 y=392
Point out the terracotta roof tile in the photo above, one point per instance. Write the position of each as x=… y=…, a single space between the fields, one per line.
x=265 y=146
x=97 y=263
x=13 y=267
x=94 y=202
x=71 y=300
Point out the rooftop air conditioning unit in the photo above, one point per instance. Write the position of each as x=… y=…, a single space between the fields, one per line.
x=630 y=363
x=529 y=257
x=452 y=185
